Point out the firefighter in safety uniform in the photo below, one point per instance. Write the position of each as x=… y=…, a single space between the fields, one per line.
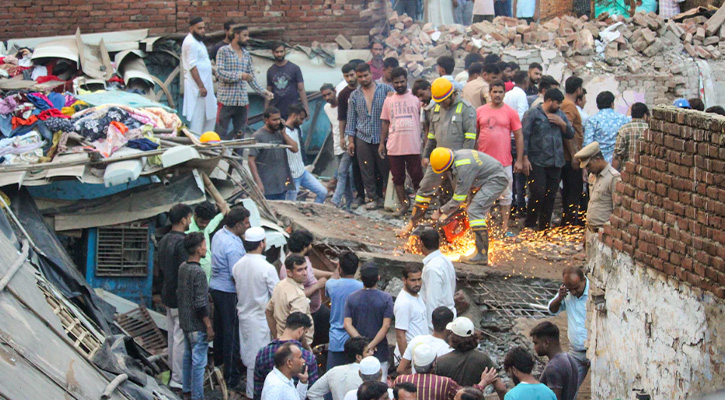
x=452 y=124
x=478 y=175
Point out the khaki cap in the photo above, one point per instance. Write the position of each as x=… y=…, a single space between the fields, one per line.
x=586 y=153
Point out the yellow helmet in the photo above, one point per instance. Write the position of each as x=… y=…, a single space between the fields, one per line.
x=210 y=136
x=441 y=159
x=441 y=89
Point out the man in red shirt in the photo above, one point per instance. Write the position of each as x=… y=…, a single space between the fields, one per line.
x=496 y=120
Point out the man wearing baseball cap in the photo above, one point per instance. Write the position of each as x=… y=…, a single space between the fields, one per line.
x=465 y=363
x=254 y=279
x=603 y=180
x=431 y=386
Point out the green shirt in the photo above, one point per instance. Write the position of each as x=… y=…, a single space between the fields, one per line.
x=205 y=262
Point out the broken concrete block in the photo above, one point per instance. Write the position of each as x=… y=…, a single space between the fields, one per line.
x=561 y=44
x=393 y=18
x=688 y=38
x=367 y=13
x=360 y=41
x=639 y=19
x=343 y=42
x=711 y=40
x=611 y=54
x=633 y=65
x=675 y=28
x=584 y=44
x=437 y=51
x=713 y=51
x=702 y=53
x=529 y=38
x=648 y=36
x=636 y=35
x=640 y=44
x=700 y=34
x=653 y=49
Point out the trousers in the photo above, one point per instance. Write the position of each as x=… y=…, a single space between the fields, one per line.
x=237 y=115
x=344 y=181
x=175 y=346
x=374 y=170
x=226 y=335
x=409 y=7
x=571 y=195
x=483 y=200
x=195 y=359
x=543 y=185
x=582 y=364
x=307 y=181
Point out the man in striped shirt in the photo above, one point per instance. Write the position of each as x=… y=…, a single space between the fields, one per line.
x=434 y=387
x=301 y=177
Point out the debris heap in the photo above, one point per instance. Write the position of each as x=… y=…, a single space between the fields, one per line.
x=613 y=44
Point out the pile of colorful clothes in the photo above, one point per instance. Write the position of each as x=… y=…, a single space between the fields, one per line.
x=41 y=124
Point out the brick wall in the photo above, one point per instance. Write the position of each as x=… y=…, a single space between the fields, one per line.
x=670 y=209
x=555 y=8
x=303 y=20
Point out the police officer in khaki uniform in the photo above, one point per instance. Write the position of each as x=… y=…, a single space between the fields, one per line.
x=453 y=126
x=603 y=180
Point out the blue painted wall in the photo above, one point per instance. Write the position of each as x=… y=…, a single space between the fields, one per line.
x=132 y=288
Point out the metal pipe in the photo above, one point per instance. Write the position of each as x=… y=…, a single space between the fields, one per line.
x=16 y=266
x=117 y=381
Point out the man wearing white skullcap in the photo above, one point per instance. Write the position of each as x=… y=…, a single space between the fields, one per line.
x=255 y=279
x=370 y=371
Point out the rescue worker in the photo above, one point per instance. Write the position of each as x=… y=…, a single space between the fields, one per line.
x=603 y=180
x=452 y=125
x=478 y=175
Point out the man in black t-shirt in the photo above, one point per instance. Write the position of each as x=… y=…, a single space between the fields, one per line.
x=284 y=79
x=560 y=374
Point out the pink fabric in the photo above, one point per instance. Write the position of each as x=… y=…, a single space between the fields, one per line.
x=495 y=127
x=8 y=105
x=403 y=112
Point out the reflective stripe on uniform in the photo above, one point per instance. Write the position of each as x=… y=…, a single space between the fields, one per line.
x=459 y=108
x=460 y=197
x=464 y=161
x=431 y=135
x=470 y=135
x=421 y=199
x=437 y=108
x=477 y=223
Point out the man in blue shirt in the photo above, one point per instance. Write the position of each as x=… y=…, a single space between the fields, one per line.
x=226 y=249
x=572 y=298
x=604 y=125
x=518 y=364
x=338 y=291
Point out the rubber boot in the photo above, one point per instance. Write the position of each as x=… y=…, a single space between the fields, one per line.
x=418 y=214
x=481 y=255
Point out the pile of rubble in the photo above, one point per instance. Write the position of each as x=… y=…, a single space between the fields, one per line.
x=613 y=42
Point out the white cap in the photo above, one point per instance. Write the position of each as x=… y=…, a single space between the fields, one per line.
x=423 y=355
x=461 y=326
x=255 y=234
x=369 y=366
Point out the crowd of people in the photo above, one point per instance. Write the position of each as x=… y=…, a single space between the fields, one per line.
x=269 y=320
x=492 y=133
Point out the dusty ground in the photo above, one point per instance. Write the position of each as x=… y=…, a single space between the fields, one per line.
x=528 y=255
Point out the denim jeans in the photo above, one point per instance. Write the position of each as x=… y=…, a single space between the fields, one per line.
x=195 y=359
x=463 y=14
x=344 y=181
x=502 y=8
x=308 y=181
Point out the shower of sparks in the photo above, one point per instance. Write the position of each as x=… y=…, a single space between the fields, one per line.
x=550 y=244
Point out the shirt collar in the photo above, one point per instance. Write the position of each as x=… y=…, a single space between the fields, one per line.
x=604 y=172
x=294 y=282
x=586 y=290
x=282 y=377
x=432 y=256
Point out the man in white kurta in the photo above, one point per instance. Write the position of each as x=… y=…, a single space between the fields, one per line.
x=255 y=279
x=439 y=276
x=199 y=101
x=440 y=12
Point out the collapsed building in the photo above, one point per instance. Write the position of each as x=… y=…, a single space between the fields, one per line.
x=662 y=254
